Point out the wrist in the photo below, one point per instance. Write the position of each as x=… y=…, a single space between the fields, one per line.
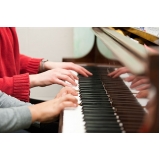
x=34 y=113
x=33 y=81
x=43 y=66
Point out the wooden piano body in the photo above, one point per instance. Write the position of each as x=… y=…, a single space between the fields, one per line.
x=149 y=66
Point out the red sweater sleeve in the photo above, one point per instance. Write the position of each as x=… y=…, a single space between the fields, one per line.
x=29 y=65
x=17 y=86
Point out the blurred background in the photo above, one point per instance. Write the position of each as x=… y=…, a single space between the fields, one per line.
x=53 y=43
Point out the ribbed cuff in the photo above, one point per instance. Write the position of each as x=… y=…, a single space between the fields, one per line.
x=33 y=65
x=21 y=87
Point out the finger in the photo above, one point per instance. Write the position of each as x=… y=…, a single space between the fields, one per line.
x=137 y=83
x=119 y=71
x=60 y=82
x=70 y=74
x=113 y=73
x=67 y=90
x=81 y=71
x=61 y=94
x=130 y=78
x=68 y=79
x=86 y=71
x=73 y=92
x=142 y=94
x=68 y=104
x=144 y=87
x=70 y=97
x=70 y=90
x=139 y=78
x=75 y=77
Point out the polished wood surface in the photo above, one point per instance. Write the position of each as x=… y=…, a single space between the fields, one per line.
x=94 y=57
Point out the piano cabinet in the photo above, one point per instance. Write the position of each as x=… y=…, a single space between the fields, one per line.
x=95 y=59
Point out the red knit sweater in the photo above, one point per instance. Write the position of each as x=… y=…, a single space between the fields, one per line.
x=15 y=67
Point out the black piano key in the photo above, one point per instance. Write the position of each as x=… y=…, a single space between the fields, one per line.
x=96 y=104
x=107 y=123
x=102 y=130
x=94 y=99
x=92 y=90
x=105 y=118
x=89 y=92
x=98 y=114
x=97 y=110
x=108 y=126
x=97 y=107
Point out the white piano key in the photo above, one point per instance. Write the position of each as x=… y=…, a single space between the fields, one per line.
x=73 y=117
x=73 y=121
x=74 y=72
x=128 y=84
x=143 y=101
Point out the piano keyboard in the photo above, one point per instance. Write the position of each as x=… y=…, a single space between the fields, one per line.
x=106 y=105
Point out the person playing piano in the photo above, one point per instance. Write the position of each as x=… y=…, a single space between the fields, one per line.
x=19 y=73
x=17 y=116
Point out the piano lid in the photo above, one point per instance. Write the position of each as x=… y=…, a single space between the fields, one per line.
x=134 y=59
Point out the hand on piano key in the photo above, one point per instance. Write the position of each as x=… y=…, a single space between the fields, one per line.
x=76 y=88
x=72 y=117
x=79 y=120
x=49 y=110
x=134 y=83
x=68 y=66
x=67 y=90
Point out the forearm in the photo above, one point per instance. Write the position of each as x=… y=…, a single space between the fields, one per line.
x=7 y=101
x=19 y=112
x=15 y=118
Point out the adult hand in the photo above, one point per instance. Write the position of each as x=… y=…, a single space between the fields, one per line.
x=54 y=76
x=67 y=90
x=47 y=111
x=67 y=65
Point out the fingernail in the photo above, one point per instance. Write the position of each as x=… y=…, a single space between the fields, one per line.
x=63 y=94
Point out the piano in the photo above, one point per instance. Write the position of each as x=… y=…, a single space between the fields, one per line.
x=109 y=105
